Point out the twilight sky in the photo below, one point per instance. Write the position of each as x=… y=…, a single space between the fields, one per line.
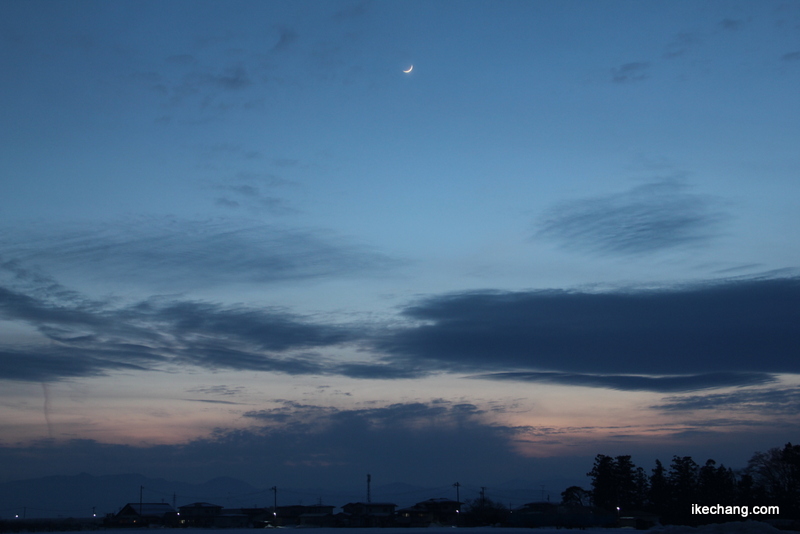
x=237 y=239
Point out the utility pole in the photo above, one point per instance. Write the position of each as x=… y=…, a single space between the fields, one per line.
x=275 y=503
x=141 y=491
x=483 y=496
x=369 y=493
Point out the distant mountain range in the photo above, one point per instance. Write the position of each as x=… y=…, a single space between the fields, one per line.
x=84 y=494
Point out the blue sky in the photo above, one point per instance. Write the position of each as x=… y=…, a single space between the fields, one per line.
x=240 y=226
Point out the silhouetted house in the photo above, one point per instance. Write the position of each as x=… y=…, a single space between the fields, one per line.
x=638 y=519
x=314 y=515
x=289 y=515
x=426 y=513
x=369 y=514
x=244 y=517
x=231 y=519
x=199 y=514
x=414 y=516
x=317 y=515
x=144 y=515
x=546 y=514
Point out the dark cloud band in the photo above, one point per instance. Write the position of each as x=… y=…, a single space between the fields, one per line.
x=746 y=326
x=721 y=334
x=662 y=384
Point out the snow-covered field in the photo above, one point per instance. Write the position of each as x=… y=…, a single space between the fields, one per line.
x=745 y=527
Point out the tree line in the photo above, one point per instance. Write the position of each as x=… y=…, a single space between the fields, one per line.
x=770 y=478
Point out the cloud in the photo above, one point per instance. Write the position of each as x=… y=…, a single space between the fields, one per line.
x=382 y=371
x=718 y=333
x=661 y=384
x=265 y=328
x=298 y=445
x=286 y=36
x=630 y=72
x=183 y=254
x=28 y=308
x=725 y=333
x=232 y=78
x=779 y=401
x=731 y=24
x=89 y=338
x=399 y=415
x=680 y=45
x=217 y=390
x=212 y=401
x=355 y=11
x=63 y=362
x=188 y=81
x=151 y=334
x=413 y=441
x=247 y=190
x=647 y=219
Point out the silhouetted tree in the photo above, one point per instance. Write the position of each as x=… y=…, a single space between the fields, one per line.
x=627 y=489
x=682 y=483
x=484 y=512
x=604 y=489
x=771 y=478
x=576 y=496
x=715 y=484
x=615 y=483
x=747 y=492
x=776 y=475
x=659 y=489
x=642 y=489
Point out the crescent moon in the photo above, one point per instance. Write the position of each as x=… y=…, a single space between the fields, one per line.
x=409 y=69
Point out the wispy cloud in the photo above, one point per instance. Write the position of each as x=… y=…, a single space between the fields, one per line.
x=192 y=253
x=680 y=45
x=731 y=24
x=217 y=390
x=646 y=219
x=216 y=401
x=186 y=81
x=784 y=401
x=81 y=337
x=88 y=340
x=232 y=78
x=254 y=192
x=631 y=72
x=286 y=36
